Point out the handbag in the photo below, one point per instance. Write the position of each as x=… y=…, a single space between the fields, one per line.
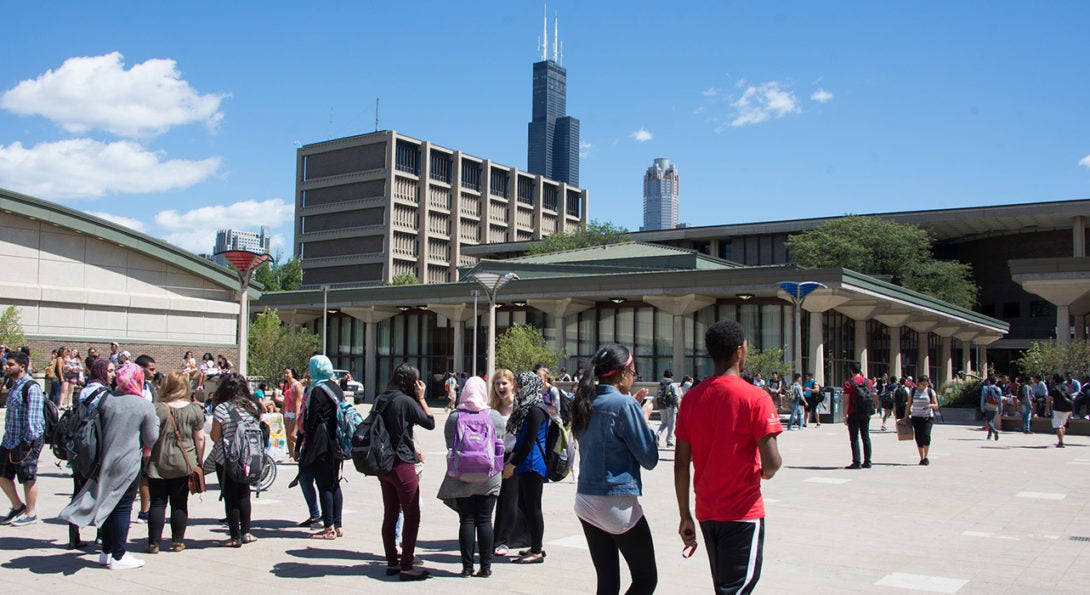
x=196 y=474
x=905 y=430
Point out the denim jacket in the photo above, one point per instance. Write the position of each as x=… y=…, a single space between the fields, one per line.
x=615 y=444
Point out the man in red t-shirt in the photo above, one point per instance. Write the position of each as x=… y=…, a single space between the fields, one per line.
x=727 y=428
x=858 y=421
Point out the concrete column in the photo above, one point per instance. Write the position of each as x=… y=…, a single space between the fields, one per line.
x=678 y=362
x=967 y=356
x=562 y=338
x=946 y=364
x=982 y=359
x=817 y=347
x=1063 y=325
x=896 y=366
x=459 y=345
x=923 y=357
x=370 y=359
x=1078 y=235
x=861 y=345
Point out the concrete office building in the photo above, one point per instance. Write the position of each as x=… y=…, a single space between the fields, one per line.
x=660 y=196
x=553 y=136
x=235 y=239
x=371 y=207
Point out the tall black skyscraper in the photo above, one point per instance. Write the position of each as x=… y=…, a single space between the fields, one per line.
x=553 y=143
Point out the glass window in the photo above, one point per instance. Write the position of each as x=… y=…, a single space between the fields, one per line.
x=772 y=326
x=358 y=333
x=412 y=339
x=605 y=326
x=625 y=324
x=645 y=342
x=664 y=333
x=748 y=314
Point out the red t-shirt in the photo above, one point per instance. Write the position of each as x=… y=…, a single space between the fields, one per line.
x=722 y=418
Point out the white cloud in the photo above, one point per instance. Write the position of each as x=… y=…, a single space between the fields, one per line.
x=711 y=92
x=759 y=103
x=821 y=96
x=85 y=168
x=1085 y=161
x=642 y=135
x=98 y=93
x=126 y=221
x=585 y=149
x=195 y=230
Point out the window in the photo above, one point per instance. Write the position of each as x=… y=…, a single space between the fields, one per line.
x=1012 y=310
x=526 y=190
x=440 y=167
x=407 y=158
x=471 y=175
x=1040 y=309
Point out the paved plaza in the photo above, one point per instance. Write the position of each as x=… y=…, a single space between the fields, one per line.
x=991 y=517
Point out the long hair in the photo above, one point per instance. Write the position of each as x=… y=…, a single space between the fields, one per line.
x=493 y=398
x=175 y=387
x=404 y=378
x=604 y=368
x=235 y=390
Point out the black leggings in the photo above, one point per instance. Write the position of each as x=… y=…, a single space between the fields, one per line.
x=507 y=509
x=236 y=503
x=176 y=491
x=639 y=553
x=327 y=478
x=475 y=519
x=530 y=485
x=922 y=428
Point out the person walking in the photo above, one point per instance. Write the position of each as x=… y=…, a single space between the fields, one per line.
x=858 y=407
x=1025 y=404
x=529 y=423
x=176 y=453
x=991 y=405
x=812 y=390
x=318 y=445
x=667 y=399
x=727 y=431
x=293 y=398
x=403 y=406
x=616 y=440
x=888 y=398
x=450 y=384
x=473 y=498
x=98 y=386
x=24 y=426
x=232 y=401
x=798 y=403
x=1060 y=404
x=128 y=425
x=922 y=412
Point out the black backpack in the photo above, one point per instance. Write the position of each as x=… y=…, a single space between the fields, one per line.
x=85 y=447
x=864 y=399
x=62 y=440
x=244 y=453
x=667 y=396
x=900 y=396
x=372 y=448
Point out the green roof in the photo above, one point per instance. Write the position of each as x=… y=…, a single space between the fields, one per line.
x=107 y=231
x=625 y=257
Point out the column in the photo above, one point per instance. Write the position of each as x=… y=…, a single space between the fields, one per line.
x=923 y=357
x=896 y=366
x=243 y=330
x=967 y=357
x=370 y=378
x=562 y=340
x=678 y=362
x=982 y=358
x=861 y=345
x=459 y=346
x=817 y=347
x=947 y=362
x=1063 y=325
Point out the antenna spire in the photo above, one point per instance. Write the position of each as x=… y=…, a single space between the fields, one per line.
x=556 y=37
x=376 y=114
x=545 y=33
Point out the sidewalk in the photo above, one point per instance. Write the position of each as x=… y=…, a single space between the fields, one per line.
x=984 y=517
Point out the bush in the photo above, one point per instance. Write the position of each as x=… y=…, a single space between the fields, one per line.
x=520 y=347
x=962 y=394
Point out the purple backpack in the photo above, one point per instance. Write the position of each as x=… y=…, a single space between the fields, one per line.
x=476 y=454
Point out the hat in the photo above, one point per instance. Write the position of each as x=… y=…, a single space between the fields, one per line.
x=114 y=344
x=126 y=354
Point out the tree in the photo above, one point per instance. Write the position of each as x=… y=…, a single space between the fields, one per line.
x=11 y=329
x=767 y=361
x=276 y=275
x=876 y=246
x=1046 y=359
x=275 y=346
x=595 y=233
x=521 y=347
x=404 y=279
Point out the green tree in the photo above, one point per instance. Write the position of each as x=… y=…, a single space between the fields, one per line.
x=275 y=346
x=876 y=246
x=404 y=279
x=767 y=361
x=520 y=347
x=595 y=233
x=11 y=328
x=1046 y=359
x=279 y=275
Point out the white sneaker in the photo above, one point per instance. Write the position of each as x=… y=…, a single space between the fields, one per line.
x=103 y=559
x=126 y=562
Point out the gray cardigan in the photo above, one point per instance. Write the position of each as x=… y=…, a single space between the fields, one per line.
x=128 y=422
x=452 y=489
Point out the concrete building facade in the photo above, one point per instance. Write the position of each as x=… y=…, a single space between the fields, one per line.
x=235 y=239
x=661 y=197
x=371 y=207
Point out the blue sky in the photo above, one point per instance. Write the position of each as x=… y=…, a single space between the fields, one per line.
x=184 y=117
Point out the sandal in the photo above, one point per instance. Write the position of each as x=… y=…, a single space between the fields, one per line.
x=501 y=551
x=229 y=543
x=177 y=547
x=339 y=531
x=528 y=551
x=329 y=533
x=247 y=538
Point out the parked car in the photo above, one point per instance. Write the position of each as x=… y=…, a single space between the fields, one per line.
x=354 y=386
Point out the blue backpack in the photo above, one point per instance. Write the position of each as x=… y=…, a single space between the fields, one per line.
x=348 y=420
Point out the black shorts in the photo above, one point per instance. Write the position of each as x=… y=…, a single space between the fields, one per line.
x=21 y=461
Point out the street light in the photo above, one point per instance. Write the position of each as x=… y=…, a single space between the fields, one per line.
x=492 y=282
x=798 y=292
x=325 y=314
x=475 y=294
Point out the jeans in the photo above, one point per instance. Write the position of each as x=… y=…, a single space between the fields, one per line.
x=530 y=485
x=1027 y=415
x=310 y=494
x=735 y=552
x=176 y=491
x=796 y=416
x=669 y=419
x=327 y=477
x=236 y=503
x=991 y=417
x=400 y=493
x=1080 y=401
x=859 y=427
x=639 y=553
x=55 y=391
x=115 y=532
x=507 y=509
x=475 y=519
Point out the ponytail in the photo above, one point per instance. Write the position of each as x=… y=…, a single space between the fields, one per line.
x=606 y=363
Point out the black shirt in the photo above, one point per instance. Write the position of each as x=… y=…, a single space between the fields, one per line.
x=400 y=415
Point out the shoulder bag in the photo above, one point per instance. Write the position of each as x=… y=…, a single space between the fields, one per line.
x=196 y=474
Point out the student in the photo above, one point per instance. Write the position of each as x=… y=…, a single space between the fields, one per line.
x=924 y=404
x=179 y=450
x=23 y=440
x=798 y=403
x=529 y=424
x=856 y=418
x=727 y=430
x=616 y=440
x=502 y=400
x=233 y=401
x=1060 y=404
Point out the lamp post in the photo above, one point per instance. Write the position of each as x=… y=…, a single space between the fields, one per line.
x=325 y=314
x=798 y=292
x=475 y=294
x=492 y=282
x=245 y=262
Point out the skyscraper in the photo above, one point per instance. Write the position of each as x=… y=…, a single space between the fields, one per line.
x=660 y=196
x=553 y=136
x=235 y=239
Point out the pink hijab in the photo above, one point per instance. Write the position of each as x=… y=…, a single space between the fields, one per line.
x=130 y=379
x=474 y=395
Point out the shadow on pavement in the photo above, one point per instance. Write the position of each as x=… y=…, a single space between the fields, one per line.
x=319 y=553
x=66 y=564
x=812 y=467
x=302 y=570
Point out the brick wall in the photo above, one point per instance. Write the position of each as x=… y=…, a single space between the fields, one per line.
x=167 y=357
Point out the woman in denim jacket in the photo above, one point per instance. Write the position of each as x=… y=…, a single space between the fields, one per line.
x=615 y=440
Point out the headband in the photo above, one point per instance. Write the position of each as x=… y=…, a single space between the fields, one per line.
x=612 y=372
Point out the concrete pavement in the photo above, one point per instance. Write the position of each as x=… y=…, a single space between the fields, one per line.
x=984 y=517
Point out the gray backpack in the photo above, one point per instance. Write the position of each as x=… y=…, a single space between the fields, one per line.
x=244 y=452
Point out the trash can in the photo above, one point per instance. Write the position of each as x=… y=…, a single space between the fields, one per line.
x=831 y=409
